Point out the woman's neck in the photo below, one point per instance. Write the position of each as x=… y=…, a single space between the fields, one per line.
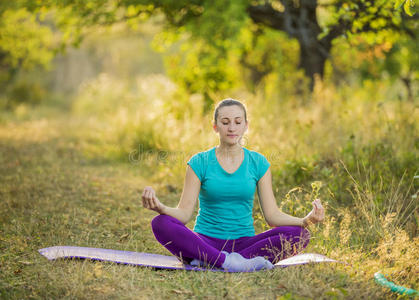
x=229 y=151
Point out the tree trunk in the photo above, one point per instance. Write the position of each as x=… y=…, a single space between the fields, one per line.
x=312 y=61
x=299 y=20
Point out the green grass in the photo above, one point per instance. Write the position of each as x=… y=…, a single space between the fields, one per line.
x=57 y=188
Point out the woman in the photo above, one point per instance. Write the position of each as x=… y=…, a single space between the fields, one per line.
x=225 y=178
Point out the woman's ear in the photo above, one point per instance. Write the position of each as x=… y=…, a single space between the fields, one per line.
x=214 y=126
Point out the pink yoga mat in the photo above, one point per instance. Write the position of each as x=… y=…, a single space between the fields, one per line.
x=157 y=260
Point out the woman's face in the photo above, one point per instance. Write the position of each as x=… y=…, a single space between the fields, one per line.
x=231 y=124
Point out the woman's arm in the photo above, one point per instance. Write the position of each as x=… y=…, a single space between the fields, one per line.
x=274 y=216
x=184 y=211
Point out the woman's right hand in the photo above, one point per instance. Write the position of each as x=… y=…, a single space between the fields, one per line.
x=150 y=200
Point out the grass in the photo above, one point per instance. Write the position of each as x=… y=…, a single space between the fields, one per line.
x=58 y=188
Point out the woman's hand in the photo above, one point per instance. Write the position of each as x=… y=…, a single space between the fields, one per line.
x=316 y=215
x=150 y=200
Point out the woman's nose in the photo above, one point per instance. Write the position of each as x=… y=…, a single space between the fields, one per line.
x=231 y=127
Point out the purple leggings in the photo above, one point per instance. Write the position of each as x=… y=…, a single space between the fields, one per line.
x=274 y=244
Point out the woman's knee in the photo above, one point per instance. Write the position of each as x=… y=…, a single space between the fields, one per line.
x=158 y=222
x=162 y=223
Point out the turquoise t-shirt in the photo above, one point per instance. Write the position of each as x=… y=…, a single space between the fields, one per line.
x=226 y=199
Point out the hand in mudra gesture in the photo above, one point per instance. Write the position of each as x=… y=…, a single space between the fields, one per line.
x=151 y=201
x=316 y=215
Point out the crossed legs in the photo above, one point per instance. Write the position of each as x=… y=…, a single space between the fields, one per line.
x=274 y=244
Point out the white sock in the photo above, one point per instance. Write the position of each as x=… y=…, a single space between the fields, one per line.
x=234 y=262
x=199 y=263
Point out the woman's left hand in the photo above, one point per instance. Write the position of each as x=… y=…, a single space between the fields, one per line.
x=317 y=214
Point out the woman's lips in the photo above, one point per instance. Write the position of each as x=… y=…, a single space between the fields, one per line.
x=232 y=135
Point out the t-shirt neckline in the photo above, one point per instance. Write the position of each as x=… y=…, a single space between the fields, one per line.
x=219 y=165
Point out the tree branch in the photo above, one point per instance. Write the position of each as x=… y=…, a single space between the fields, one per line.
x=267 y=15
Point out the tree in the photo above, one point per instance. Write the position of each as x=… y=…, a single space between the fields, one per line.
x=299 y=19
x=216 y=27
x=24 y=42
x=219 y=23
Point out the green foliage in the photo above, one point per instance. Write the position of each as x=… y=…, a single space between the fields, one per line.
x=24 y=41
x=378 y=161
x=220 y=22
x=201 y=70
x=402 y=62
x=407 y=6
x=221 y=48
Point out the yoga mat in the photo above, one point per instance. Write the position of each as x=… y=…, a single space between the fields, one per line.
x=157 y=260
